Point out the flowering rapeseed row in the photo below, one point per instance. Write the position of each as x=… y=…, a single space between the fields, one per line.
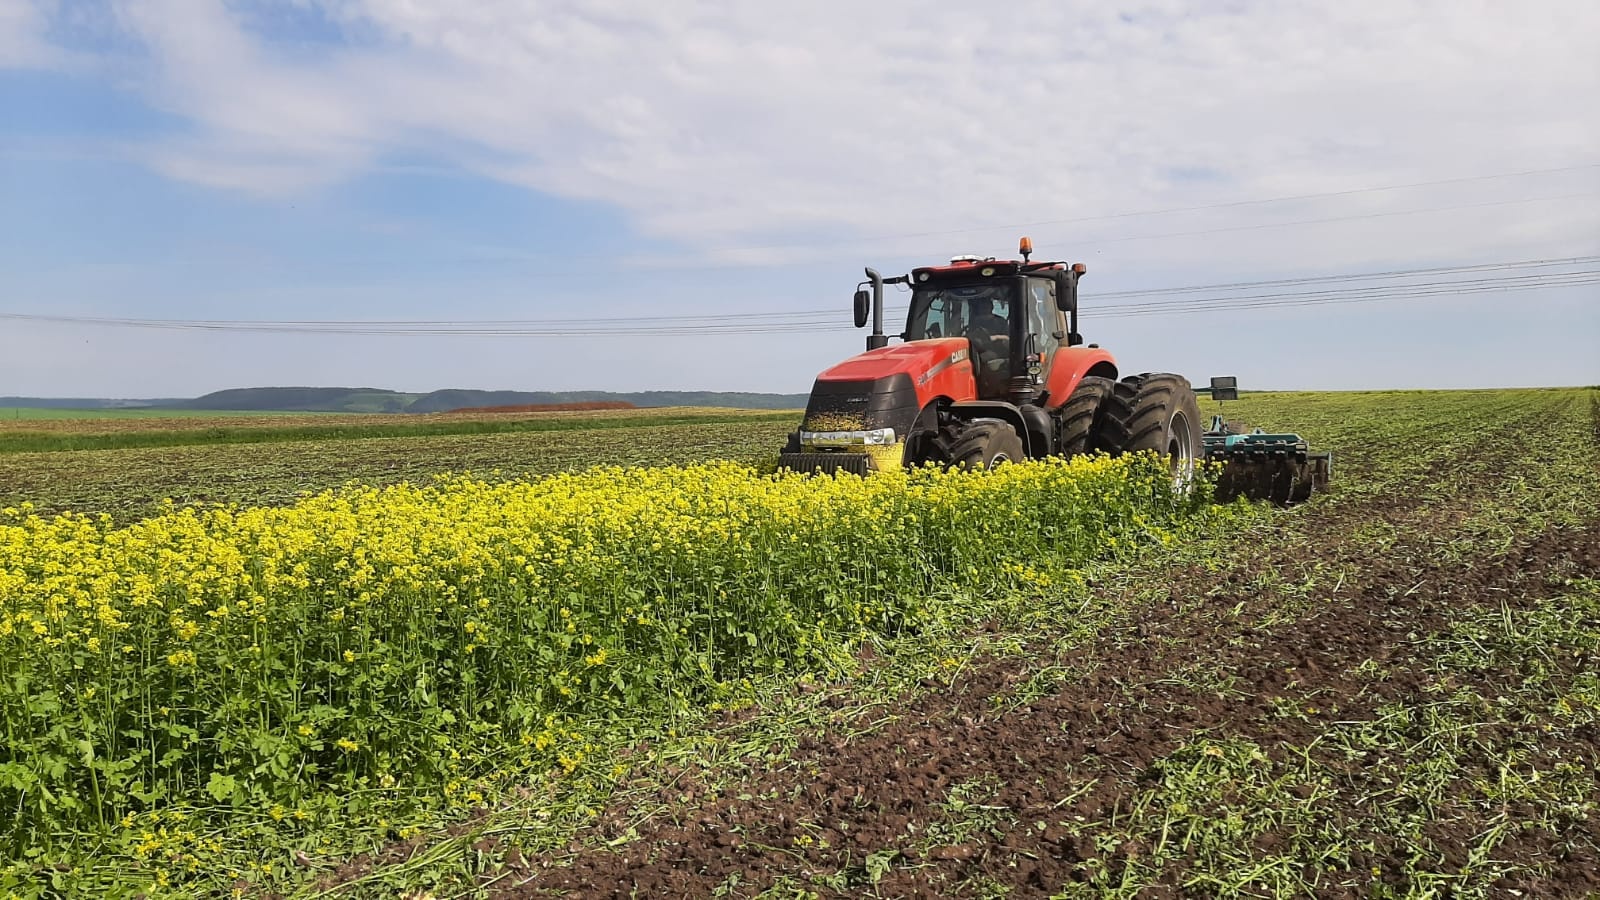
x=267 y=660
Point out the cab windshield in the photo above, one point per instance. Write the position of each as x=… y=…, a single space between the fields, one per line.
x=961 y=311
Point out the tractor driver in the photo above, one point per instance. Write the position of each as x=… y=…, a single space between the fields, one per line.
x=991 y=338
x=986 y=327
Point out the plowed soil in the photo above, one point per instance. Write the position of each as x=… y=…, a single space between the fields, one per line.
x=1389 y=692
x=972 y=787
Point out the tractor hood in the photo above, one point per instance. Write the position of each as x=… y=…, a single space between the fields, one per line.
x=886 y=387
x=916 y=359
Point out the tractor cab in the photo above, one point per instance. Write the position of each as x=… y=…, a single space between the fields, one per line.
x=982 y=314
x=1014 y=314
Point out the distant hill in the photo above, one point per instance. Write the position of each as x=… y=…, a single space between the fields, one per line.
x=303 y=399
x=378 y=400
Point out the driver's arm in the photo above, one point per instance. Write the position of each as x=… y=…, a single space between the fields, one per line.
x=992 y=326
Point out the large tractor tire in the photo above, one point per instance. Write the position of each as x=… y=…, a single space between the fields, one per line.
x=1077 y=417
x=1154 y=411
x=978 y=444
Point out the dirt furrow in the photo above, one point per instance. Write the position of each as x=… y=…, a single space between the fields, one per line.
x=877 y=810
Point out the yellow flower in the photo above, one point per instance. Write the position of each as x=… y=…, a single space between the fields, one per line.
x=719 y=569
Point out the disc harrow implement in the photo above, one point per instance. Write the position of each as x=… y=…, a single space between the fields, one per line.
x=1262 y=466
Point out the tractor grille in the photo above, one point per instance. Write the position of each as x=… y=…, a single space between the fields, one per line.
x=889 y=402
x=856 y=463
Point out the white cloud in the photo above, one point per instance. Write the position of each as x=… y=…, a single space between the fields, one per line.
x=740 y=125
x=23 y=44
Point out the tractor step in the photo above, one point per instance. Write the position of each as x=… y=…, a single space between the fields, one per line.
x=829 y=463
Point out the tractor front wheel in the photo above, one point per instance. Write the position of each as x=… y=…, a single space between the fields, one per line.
x=978 y=444
x=1078 y=416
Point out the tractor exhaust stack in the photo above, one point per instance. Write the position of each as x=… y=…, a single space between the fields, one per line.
x=877 y=338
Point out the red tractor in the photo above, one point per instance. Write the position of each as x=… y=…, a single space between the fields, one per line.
x=991 y=369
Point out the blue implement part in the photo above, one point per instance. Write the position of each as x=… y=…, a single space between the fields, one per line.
x=1262 y=466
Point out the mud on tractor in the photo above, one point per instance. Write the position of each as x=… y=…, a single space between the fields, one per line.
x=991 y=368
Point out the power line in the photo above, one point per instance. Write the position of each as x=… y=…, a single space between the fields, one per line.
x=1291 y=301
x=591 y=328
x=1553 y=277
x=1395 y=294
x=1350 y=295
x=726 y=322
x=1392 y=294
x=1362 y=276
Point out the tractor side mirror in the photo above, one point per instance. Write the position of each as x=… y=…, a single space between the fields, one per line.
x=1225 y=387
x=863 y=302
x=1067 y=292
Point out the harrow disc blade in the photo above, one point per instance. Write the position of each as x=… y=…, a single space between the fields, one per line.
x=1284 y=480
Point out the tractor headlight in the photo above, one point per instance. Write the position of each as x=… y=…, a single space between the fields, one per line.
x=876 y=437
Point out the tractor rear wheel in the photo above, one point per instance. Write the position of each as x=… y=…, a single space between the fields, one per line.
x=978 y=444
x=1075 y=431
x=1155 y=411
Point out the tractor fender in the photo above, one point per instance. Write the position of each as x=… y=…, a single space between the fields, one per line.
x=1068 y=365
x=971 y=410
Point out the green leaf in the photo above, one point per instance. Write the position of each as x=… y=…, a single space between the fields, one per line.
x=221 y=786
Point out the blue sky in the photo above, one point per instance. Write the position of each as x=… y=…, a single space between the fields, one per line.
x=359 y=160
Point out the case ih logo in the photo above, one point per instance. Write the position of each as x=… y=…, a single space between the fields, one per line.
x=954 y=358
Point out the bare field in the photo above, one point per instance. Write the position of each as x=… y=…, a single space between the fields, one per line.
x=132 y=483
x=93 y=422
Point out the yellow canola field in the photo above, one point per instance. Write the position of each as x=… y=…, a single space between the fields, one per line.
x=275 y=659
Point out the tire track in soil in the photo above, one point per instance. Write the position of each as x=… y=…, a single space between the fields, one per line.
x=1086 y=728
x=1116 y=720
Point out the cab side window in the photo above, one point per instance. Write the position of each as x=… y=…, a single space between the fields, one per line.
x=1043 y=319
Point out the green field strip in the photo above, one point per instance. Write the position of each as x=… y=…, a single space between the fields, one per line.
x=48 y=442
